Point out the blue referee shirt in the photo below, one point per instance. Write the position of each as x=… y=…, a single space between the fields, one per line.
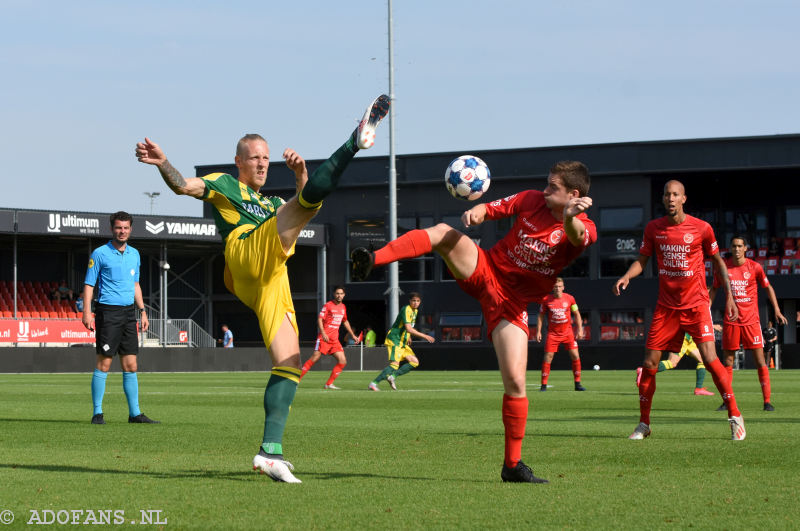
x=113 y=274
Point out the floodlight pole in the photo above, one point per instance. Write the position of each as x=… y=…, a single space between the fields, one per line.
x=152 y=196
x=394 y=289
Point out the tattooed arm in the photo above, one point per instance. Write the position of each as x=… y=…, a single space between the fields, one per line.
x=149 y=152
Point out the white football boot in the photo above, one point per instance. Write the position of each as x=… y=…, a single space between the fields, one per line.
x=738 y=433
x=365 y=133
x=641 y=431
x=277 y=469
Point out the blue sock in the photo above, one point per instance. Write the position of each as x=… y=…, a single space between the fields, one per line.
x=130 y=384
x=98 y=390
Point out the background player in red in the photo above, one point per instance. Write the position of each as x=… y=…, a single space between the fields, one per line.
x=558 y=306
x=680 y=242
x=332 y=315
x=745 y=276
x=550 y=230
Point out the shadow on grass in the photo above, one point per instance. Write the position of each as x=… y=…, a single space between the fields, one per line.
x=185 y=474
x=60 y=421
x=201 y=474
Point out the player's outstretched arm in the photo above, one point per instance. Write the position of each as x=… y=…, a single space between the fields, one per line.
x=574 y=227
x=474 y=216
x=416 y=333
x=148 y=152
x=350 y=331
x=321 y=328
x=712 y=294
x=578 y=323
x=87 y=318
x=539 y=324
x=634 y=271
x=297 y=164
x=779 y=317
x=731 y=310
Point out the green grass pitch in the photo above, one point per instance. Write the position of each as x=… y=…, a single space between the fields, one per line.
x=426 y=456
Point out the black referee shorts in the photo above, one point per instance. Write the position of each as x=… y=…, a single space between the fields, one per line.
x=115 y=330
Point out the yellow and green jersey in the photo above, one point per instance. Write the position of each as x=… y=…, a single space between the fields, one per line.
x=688 y=344
x=397 y=334
x=236 y=204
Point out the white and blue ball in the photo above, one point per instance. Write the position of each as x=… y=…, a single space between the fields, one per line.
x=467 y=178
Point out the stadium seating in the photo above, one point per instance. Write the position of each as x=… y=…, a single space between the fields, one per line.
x=33 y=301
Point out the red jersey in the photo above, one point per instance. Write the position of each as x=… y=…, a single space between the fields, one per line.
x=536 y=249
x=559 y=313
x=680 y=250
x=745 y=280
x=333 y=315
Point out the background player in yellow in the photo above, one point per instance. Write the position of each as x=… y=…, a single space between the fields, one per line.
x=688 y=349
x=260 y=234
x=397 y=342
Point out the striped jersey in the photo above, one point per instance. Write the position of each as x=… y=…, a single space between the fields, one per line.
x=236 y=204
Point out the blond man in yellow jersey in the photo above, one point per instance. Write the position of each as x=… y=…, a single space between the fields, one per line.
x=260 y=234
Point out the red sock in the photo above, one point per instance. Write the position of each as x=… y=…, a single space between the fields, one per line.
x=335 y=372
x=410 y=245
x=723 y=383
x=647 y=388
x=763 y=378
x=306 y=366
x=729 y=370
x=576 y=370
x=545 y=372
x=515 y=415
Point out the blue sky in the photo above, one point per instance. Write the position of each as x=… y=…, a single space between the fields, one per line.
x=83 y=81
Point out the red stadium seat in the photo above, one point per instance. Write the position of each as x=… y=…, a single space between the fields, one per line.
x=72 y=315
x=52 y=315
x=35 y=315
x=8 y=314
x=25 y=314
x=762 y=252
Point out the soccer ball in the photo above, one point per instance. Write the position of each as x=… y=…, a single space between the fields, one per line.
x=467 y=178
x=596 y=367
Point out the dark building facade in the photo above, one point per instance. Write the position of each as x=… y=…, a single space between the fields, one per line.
x=739 y=185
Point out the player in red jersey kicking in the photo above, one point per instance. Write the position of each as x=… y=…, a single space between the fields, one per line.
x=557 y=306
x=550 y=230
x=332 y=315
x=745 y=276
x=679 y=242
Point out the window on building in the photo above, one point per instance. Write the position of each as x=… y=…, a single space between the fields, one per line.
x=621 y=325
x=620 y=238
x=461 y=327
x=369 y=233
x=617 y=253
x=793 y=222
x=420 y=268
x=587 y=328
x=621 y=218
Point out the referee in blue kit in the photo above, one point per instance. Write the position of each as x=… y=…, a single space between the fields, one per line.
x=114 y=272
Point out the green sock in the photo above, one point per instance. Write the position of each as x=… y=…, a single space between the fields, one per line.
x=663 y=366
x=278 y=396
x=700 y=374
x=403 y=370
x=325 y=178
x=384 y=373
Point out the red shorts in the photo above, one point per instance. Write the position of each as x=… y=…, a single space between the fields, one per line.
x=748 y=336
x=553 y=341
x=668 y=325
x=328 y=347
x=497 y=300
